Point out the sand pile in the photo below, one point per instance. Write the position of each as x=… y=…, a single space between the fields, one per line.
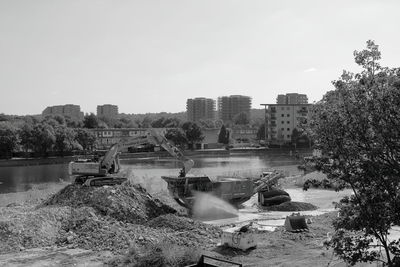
x=127 y=202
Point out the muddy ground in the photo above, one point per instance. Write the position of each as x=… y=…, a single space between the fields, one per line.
x=107 y=226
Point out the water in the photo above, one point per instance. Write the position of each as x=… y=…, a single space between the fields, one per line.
x=148 y=171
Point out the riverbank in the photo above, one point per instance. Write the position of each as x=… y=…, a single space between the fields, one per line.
x=15 y=162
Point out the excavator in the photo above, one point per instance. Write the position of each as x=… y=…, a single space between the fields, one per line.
x=104 y=170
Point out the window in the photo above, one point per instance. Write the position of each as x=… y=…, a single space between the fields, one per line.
x=282 y=115
x=282 y=129
x=282 y=122
x=287 y=115
x=288 y=122
x=282 y=108
x=288 y=129
x=288 y=108
x=288 y=136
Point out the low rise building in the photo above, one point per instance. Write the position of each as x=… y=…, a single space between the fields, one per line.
x=107 y=137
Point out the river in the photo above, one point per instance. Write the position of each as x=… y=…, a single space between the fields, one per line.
x=149 y=171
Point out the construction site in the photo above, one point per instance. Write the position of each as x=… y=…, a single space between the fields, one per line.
x=104 y=218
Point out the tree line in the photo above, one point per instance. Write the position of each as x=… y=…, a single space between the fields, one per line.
x=40 y=137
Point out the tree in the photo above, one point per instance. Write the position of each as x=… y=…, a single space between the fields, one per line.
x=223 y=136
x=158 y=123
x=90 y=121
x=26 y=137
x=242 y=118
x=65 y=140
x=43 y=138
x=261 y=132
x=357 y=127
x=193 y=132
x=85 y=138
x=8 y=139
x=177 y=136
x=146 y=122
x=172 y=123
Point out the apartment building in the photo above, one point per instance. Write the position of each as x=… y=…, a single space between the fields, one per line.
x=230 y=106
x=292 y=98
x=107 y=110
x=200 y=108
x=282 y=119
x=68 y=110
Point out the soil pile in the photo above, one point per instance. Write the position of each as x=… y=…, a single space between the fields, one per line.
x=292 y=206
x=100 y=218
x=127 y=202
x=22 y=227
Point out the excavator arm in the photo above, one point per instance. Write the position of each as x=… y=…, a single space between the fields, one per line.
x=159 y=139
x=111 y=156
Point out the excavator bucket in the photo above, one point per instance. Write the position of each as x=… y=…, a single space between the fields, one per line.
x=296 y=223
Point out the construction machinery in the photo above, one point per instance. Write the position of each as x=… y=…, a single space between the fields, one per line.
x=233 y=190
x=104 y=170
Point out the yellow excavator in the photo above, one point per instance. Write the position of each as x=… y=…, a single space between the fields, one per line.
x=104 y=170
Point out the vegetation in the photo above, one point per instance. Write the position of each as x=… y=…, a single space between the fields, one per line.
x=90 y=121
x=261 y=132
x=177 y=136
x=223 y=136
x=241 y=119
x=357 y=127
x=8 y=140
x=193 y=132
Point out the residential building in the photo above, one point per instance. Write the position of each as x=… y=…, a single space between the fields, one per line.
x=107 y=110
x=200 y=108
x=282 y=119
x=69 y=110
x=243 y=134
x=230 y=106
x=292 y=98
x=107 y=137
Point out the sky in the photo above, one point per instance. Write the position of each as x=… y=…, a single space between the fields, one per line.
x=151 y=56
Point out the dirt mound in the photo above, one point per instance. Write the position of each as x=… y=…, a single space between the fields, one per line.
x=179 y=223
x=22 y=228
x=292 y=206
x=127 y=202
x=100 y=218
